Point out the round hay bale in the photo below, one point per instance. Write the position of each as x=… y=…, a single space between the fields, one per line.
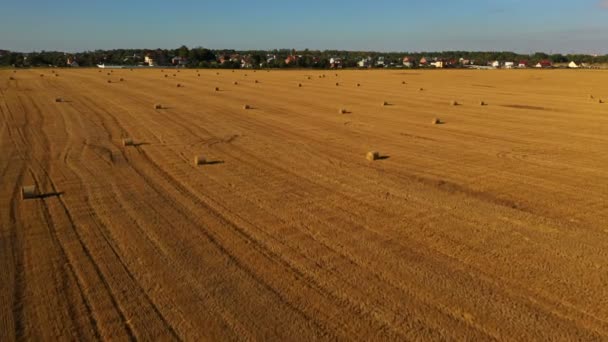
x=591 y=97
x=217 y=73
x=112 y=71
x=337 y=84
x=308 y=77
x=158 y=106
x=58 y=99
x=166 y=75
x=341 y=111
x=384 y=103
x=99 y=71
x=41 y=75
x=127 y=142
x=246 y=107
x=178 y=85
x=245 y=75
x=199 y=160
x=336 y=75
x=256 y=81
x=162 y=70
x=122 y=80
x=420 y=89
x=109 y=81
x=402 y=82
x=358 y=84
x=600 y=101
x=299 y=85
x=174 y=75
x=29 y=192
x=56 y=75
x=372 y=155
x=217 y=89
x=454 y=103
x=53 y=71
x=11 y=78
x=481 y=103
x=199 y=75
x=235 y=83
x=108 y=74
x=436 y=121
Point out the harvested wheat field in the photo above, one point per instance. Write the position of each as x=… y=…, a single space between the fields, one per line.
x=490 y=224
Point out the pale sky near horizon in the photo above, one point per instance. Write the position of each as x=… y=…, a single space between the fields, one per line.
x=553 y=26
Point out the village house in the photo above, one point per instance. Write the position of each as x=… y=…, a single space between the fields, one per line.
x=409 y=62
x=495 y=64
x=522 y=64
x=179 y=61
x=365 y=63
x=335 y=62
x=439 y=64
x=71 y=62
x=291 y=59
x=380 y=62
x=424 y=61
x=509 y=65
x=545 y=63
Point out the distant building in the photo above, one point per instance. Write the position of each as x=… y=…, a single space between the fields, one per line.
x=495 y=64
x=335 y=62
x=438 y=64
x=409 y=62
x=573 y=65
x=509 y=65
x=71 y=62
x=149 y=60
x=545 y=63
x=291 y=59
x=380 y=62
x=424 y=61
x=179 y=61
x=522 y=64
x=365 y=63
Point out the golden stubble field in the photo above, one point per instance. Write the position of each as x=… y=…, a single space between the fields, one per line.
x=491 y=225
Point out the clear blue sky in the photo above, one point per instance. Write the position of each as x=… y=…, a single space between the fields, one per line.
x=435 y=25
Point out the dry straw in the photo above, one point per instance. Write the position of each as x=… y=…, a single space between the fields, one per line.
x=372 y=155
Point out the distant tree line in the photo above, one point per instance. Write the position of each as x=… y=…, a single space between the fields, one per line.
x=200 y=57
